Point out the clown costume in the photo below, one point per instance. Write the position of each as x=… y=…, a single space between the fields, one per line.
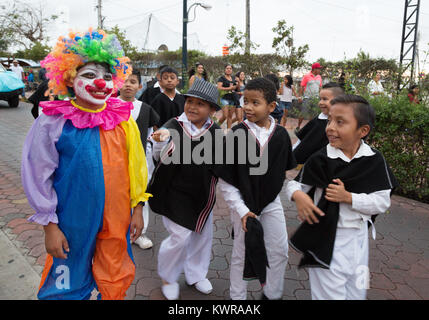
x=84 y=170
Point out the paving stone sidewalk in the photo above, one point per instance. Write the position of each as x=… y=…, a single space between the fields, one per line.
x=399 y=258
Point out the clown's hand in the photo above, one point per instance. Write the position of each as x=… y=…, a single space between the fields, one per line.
x=161 y=135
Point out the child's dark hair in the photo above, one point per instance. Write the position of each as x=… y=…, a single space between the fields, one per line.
x=289 y=81
x=168 y=69
x=138 y=75
x=274 y=79
x=265 y=86
x=363 y=111
x=334 y=87
x=238 y=76
x=162 y=67
x=412 y=88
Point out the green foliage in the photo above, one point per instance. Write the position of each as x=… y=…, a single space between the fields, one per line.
x=361 y=69
x=237 y=40
x=129 y=50
x=402 y=135
x=36 y=52
x=293 y=57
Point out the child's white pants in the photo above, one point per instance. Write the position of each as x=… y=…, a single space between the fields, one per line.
x=185 y=250
x=348 y=276
x=276 y=243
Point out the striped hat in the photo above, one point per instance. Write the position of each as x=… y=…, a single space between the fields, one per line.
x=204 y=90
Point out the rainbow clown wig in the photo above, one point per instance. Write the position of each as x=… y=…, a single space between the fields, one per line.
x=80 y=48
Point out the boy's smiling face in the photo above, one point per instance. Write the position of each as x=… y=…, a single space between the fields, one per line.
x=197 y=111
x=342 y=129
x=257 y=109
x=326 y=96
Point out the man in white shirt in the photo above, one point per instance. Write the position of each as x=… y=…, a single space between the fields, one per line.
x=17 y=69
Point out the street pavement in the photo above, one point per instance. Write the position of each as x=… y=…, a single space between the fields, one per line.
x=399 y=257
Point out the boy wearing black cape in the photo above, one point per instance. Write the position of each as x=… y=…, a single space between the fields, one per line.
x=169 y=102
x=260 y=248
x=184 y=190
x=312 y=137
x=351 y=183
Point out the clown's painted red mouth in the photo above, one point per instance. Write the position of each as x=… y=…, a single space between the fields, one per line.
x=98 y=93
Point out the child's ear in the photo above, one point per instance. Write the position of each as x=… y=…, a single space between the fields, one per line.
x=272 y=106
x=140 y=86
x=364 y=131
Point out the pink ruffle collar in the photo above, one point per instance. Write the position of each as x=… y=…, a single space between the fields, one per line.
x=108 y=117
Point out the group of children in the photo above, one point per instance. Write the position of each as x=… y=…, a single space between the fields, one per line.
x=87 y=175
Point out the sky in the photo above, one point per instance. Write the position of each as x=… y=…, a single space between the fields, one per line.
x=333 y=29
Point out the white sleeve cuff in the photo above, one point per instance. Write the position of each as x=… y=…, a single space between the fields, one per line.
x=373 y=203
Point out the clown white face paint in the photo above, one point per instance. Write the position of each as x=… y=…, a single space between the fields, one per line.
x=93 y=84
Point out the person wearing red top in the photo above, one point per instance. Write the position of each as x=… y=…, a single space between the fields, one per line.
x=310 y=86
x=413 y=94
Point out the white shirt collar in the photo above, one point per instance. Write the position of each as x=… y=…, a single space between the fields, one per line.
x=363 y=151
x=254 y=126
x=183 y=118
x=323 y=116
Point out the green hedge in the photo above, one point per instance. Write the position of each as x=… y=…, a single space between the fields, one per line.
x=402 y=135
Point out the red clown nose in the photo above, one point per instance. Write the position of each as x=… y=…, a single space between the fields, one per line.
x=100 y=83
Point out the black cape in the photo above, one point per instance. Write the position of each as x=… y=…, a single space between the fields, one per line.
x=361 y=175
x=166 y=108
x=146 y=119
x=255 y=259
x=149 y=94
x=184 y=193
x=37 y=96
x=313 y=138
x=259 y=190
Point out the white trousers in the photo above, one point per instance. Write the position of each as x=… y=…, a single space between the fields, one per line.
x=145 y=217
x=276 y=243
x=185 y=250
x=348 y=276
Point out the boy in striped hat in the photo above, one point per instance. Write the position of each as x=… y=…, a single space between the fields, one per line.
x=185 y=190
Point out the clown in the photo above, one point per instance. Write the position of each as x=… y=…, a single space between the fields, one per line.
x=84 y=170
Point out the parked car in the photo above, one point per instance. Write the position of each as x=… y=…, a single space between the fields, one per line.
x=10 y=87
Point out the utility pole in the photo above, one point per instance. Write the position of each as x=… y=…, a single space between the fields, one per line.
x=247 y=51
x=409 y=42
x=185 y=42
x=100 y=17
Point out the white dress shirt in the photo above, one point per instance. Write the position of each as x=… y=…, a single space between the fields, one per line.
x=363 y=205
x=230 y=193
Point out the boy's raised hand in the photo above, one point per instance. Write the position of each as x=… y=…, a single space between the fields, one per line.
x=306 y=207
x=55 y=241
x=244 y=220
x=336 y=192
x=161 y=135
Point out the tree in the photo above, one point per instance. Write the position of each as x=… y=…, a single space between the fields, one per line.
x=36 y=52
x=238 y=40
x=24 y=24
x=129 y=50
x=283 y=43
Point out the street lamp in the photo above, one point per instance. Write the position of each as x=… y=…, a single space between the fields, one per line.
x=185 y=33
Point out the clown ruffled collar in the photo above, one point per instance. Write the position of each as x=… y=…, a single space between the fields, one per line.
x=108 y=117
